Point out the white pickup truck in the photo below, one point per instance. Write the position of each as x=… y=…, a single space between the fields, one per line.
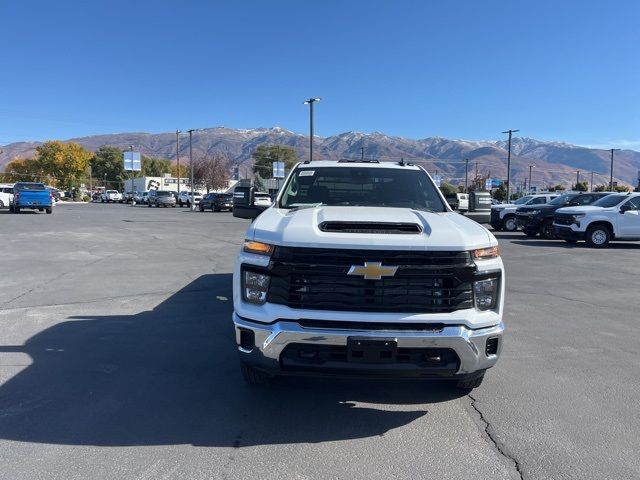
x=614 y=217
x=110 y=196
x=361 y=268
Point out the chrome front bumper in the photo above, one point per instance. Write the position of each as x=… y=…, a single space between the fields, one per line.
x=271 y=339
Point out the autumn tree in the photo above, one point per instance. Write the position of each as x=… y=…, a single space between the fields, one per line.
x=581 y=187
x=265 y=155
x=212 y=172
x=65 y=162
x=23 y=170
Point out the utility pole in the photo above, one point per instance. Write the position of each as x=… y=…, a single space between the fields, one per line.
x=466 y=175
x=132 y=200
x=611 y=177
x=193 y=206
x=591 y=189
x=362 y=153
x=577 y=180
x=510 y=132
x=310 y=102
x=178 y=156
x=530 y=167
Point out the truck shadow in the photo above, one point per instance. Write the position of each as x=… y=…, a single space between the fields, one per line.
x=171 y=376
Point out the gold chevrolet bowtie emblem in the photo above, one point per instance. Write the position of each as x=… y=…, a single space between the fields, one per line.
x=373 y=270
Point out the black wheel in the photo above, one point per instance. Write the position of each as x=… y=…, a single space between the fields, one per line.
x=11 y=208
x=16 y=209
x=49 y=210
x=1 y=204
x=201 y=208
x=509 y=223
x=215 y=209
x=530 y=233
x=470 y=383
x=253 y=376
x=598 y=236
x=546 y=231
x=149 y=205
x=188 y=204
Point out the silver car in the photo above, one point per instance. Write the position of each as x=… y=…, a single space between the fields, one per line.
x=161 y=198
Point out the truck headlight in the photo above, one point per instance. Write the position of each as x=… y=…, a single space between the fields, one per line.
x=577 y=218
x=254 y=287
x=258 y=248
x=485 y=293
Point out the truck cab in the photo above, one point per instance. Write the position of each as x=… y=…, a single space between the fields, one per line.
x=503 y=216
x=362 y=269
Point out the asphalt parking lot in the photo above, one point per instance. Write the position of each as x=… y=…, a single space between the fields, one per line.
x=117 y=360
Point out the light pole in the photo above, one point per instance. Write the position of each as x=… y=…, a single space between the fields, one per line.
x=510 y=132
x=310 y=102
x=591 y=189
x=466 y=175
x=193 y=207
x=530 y=167
x=577 y=180
x=611 y=177
x=178 y=157
x=133 y=200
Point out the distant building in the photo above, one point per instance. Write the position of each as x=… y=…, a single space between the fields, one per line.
x=167 y=182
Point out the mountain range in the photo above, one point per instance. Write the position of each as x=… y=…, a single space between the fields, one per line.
x=555 y=162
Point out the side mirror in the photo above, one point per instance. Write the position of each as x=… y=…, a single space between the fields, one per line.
x=625 y=208
x=243 y=203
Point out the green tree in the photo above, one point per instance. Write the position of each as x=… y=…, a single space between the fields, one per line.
x=557 y=188
x=447 y=189
x=23 y=170
x=265 y=155
x=155 y=167
x=621 y=188
x=500 y=193
x=108 y=161
x=599 y=188
x=581 y=187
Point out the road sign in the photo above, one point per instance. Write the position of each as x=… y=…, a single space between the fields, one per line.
x=132 y=161
x=278 y=169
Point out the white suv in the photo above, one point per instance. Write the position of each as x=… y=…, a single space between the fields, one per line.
x=361 y=268
x=184 y=198
x=614 y=217
x=503 y=216
x=111 y=196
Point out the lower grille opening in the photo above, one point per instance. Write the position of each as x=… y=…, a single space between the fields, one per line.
x=368 y=326
x=492 y=346
x=247 y=339
x=420 y=361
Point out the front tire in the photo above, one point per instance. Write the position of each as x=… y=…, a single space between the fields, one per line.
x=598 y=236
x=254 y=377
x=49 y=210
x=509 y=223
x=546 y=231
x=470 y=383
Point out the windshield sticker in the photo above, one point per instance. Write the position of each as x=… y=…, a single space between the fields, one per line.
x=306 y=173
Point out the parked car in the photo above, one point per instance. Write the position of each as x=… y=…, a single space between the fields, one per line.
x=262 y=199
x=145 y=197
x=503 y=217
x=161 y=198
x=538 y=219
x=184 y=198
x=111 y=196
x=31 y=195
x=139 y=197
x=614 y=217
x=458 y=201
x=6 y=194
x=216 y=202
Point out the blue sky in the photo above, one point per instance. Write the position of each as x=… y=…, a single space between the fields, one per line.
x=557 y=70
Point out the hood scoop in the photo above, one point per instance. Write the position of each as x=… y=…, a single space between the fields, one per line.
x=371 y=227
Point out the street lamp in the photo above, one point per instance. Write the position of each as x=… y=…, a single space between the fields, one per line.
x=178 y=132
x=611 y=178
x=133 y=197
x=310 y=102
x=193 y=206
x=510 y=132
x=530 y=167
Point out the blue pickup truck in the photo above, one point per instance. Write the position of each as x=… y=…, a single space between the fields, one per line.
x=31 y=195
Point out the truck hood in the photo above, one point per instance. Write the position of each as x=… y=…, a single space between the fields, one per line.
x=440 y=231
x=580 y=209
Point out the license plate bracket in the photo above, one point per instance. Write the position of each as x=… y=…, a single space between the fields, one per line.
x=367 y=350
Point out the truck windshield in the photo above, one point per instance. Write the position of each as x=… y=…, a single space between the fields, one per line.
x=361 y=186
x=29 y=186
x=609 y=201
x=523 y=200
x=563 y=199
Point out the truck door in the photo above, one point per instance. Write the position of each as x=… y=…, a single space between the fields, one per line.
x=629 y=221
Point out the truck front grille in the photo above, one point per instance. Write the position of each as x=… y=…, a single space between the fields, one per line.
x=563 y=219
x=425 y=282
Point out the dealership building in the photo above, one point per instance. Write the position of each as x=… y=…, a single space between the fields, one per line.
x=166 y=182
